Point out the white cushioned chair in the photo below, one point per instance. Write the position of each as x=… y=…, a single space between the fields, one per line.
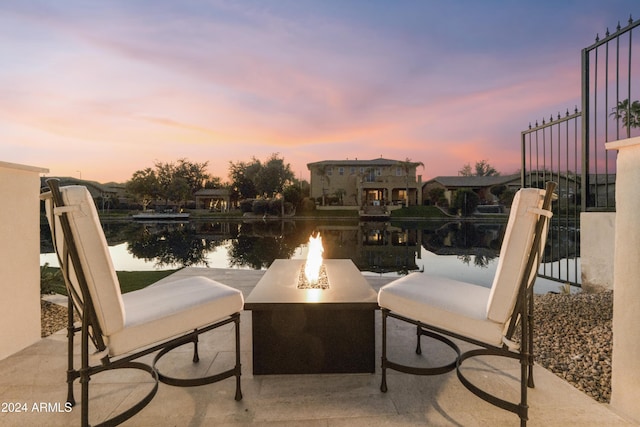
x=123 y=328
x=487 y=317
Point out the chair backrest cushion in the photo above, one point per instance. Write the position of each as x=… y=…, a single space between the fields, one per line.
x=94 y=256
x=514 y=254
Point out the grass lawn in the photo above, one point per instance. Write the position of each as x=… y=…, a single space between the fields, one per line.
x=129 y=280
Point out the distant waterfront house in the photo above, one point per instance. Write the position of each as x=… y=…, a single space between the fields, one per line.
x=101 y=193
x=365 y=182
x=568 y=189
x=213 y=199
x=481 y=185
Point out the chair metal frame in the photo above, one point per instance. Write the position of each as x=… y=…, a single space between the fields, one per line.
x=91 y=333
x=521 y=321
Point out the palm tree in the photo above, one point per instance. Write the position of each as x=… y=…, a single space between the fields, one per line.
x=407 y=166
x=323 y=171
x=629 y=113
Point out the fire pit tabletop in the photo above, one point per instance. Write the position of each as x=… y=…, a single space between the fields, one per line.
x=279 y=285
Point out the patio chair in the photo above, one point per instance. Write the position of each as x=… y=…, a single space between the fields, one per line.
x=497 y=320
x=118 y=329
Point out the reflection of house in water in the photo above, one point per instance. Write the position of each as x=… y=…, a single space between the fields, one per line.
x=215 y=230
x=470 y=238
x=377 y=247
x=464 y=238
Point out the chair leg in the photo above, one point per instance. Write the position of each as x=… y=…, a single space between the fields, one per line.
x=196 y=356
x=238 y=396
x=419 y=345
x=383 y=384
x=523 y=408
x=530 y=350
x=85 y=377
x=71 y=372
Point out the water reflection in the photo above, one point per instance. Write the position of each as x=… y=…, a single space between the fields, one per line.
x=379 y=247
x=469 y=241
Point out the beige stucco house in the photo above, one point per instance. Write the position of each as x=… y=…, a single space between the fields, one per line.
x=366 y=182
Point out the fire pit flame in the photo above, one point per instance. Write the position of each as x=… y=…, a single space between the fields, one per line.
x=315 y=276
x=314 y=259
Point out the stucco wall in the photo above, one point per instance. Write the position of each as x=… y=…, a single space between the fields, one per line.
x=625 y=363
x=19 y=257
x=597 y=239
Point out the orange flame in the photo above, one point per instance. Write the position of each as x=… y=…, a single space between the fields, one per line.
x=314 y=259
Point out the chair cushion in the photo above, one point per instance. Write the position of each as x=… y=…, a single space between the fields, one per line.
x=95 y=258
x=162 y=311
x=454 y=306
x=514 y=253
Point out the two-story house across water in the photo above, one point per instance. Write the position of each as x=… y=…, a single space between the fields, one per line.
x=377 y=182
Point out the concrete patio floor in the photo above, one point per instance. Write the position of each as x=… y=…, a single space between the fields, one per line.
x=37 y=375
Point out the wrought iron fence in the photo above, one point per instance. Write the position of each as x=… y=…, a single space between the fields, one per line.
x=551 y=152
x=610 y=110
x=571 y=149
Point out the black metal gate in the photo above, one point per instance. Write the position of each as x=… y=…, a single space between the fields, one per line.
x=571 y=149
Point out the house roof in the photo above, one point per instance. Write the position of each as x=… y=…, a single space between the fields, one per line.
x=472 y=181
x=355 y=162
x=212 y=192
x=93 y=186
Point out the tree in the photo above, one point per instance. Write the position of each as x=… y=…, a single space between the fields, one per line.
x=194 y=174
x=242 y=176
x=339 y=193
x=629 y=113
x=213 y=182
x=274 y=175
x=179 y=190
x=179 y=181
x=407 y=166
x=293 y=193
x=436 y=195
x=324 y=174
x=169 y=181
x=250 y=179
x=482 y=168
x=143 y=186
x=465 y=201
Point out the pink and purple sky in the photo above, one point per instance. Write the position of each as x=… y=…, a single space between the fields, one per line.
x=100 y=89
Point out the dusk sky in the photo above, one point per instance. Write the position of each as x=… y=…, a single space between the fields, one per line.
x=100 y=89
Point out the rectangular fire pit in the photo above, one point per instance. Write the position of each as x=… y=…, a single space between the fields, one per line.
x=306 y=330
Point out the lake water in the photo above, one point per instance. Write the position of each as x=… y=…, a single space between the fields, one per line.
x=465 y=251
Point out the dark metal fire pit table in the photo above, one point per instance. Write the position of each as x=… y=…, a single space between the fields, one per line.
x=309 y=331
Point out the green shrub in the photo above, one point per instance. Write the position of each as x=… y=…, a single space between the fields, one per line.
x=50 y=279
x=465 y=201
x=246 y=205
x=260 y=206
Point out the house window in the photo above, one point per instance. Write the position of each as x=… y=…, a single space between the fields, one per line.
x=352 y=170
x=341 y=171
x=398 y=171
x=329 y=171
x=378 y=172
